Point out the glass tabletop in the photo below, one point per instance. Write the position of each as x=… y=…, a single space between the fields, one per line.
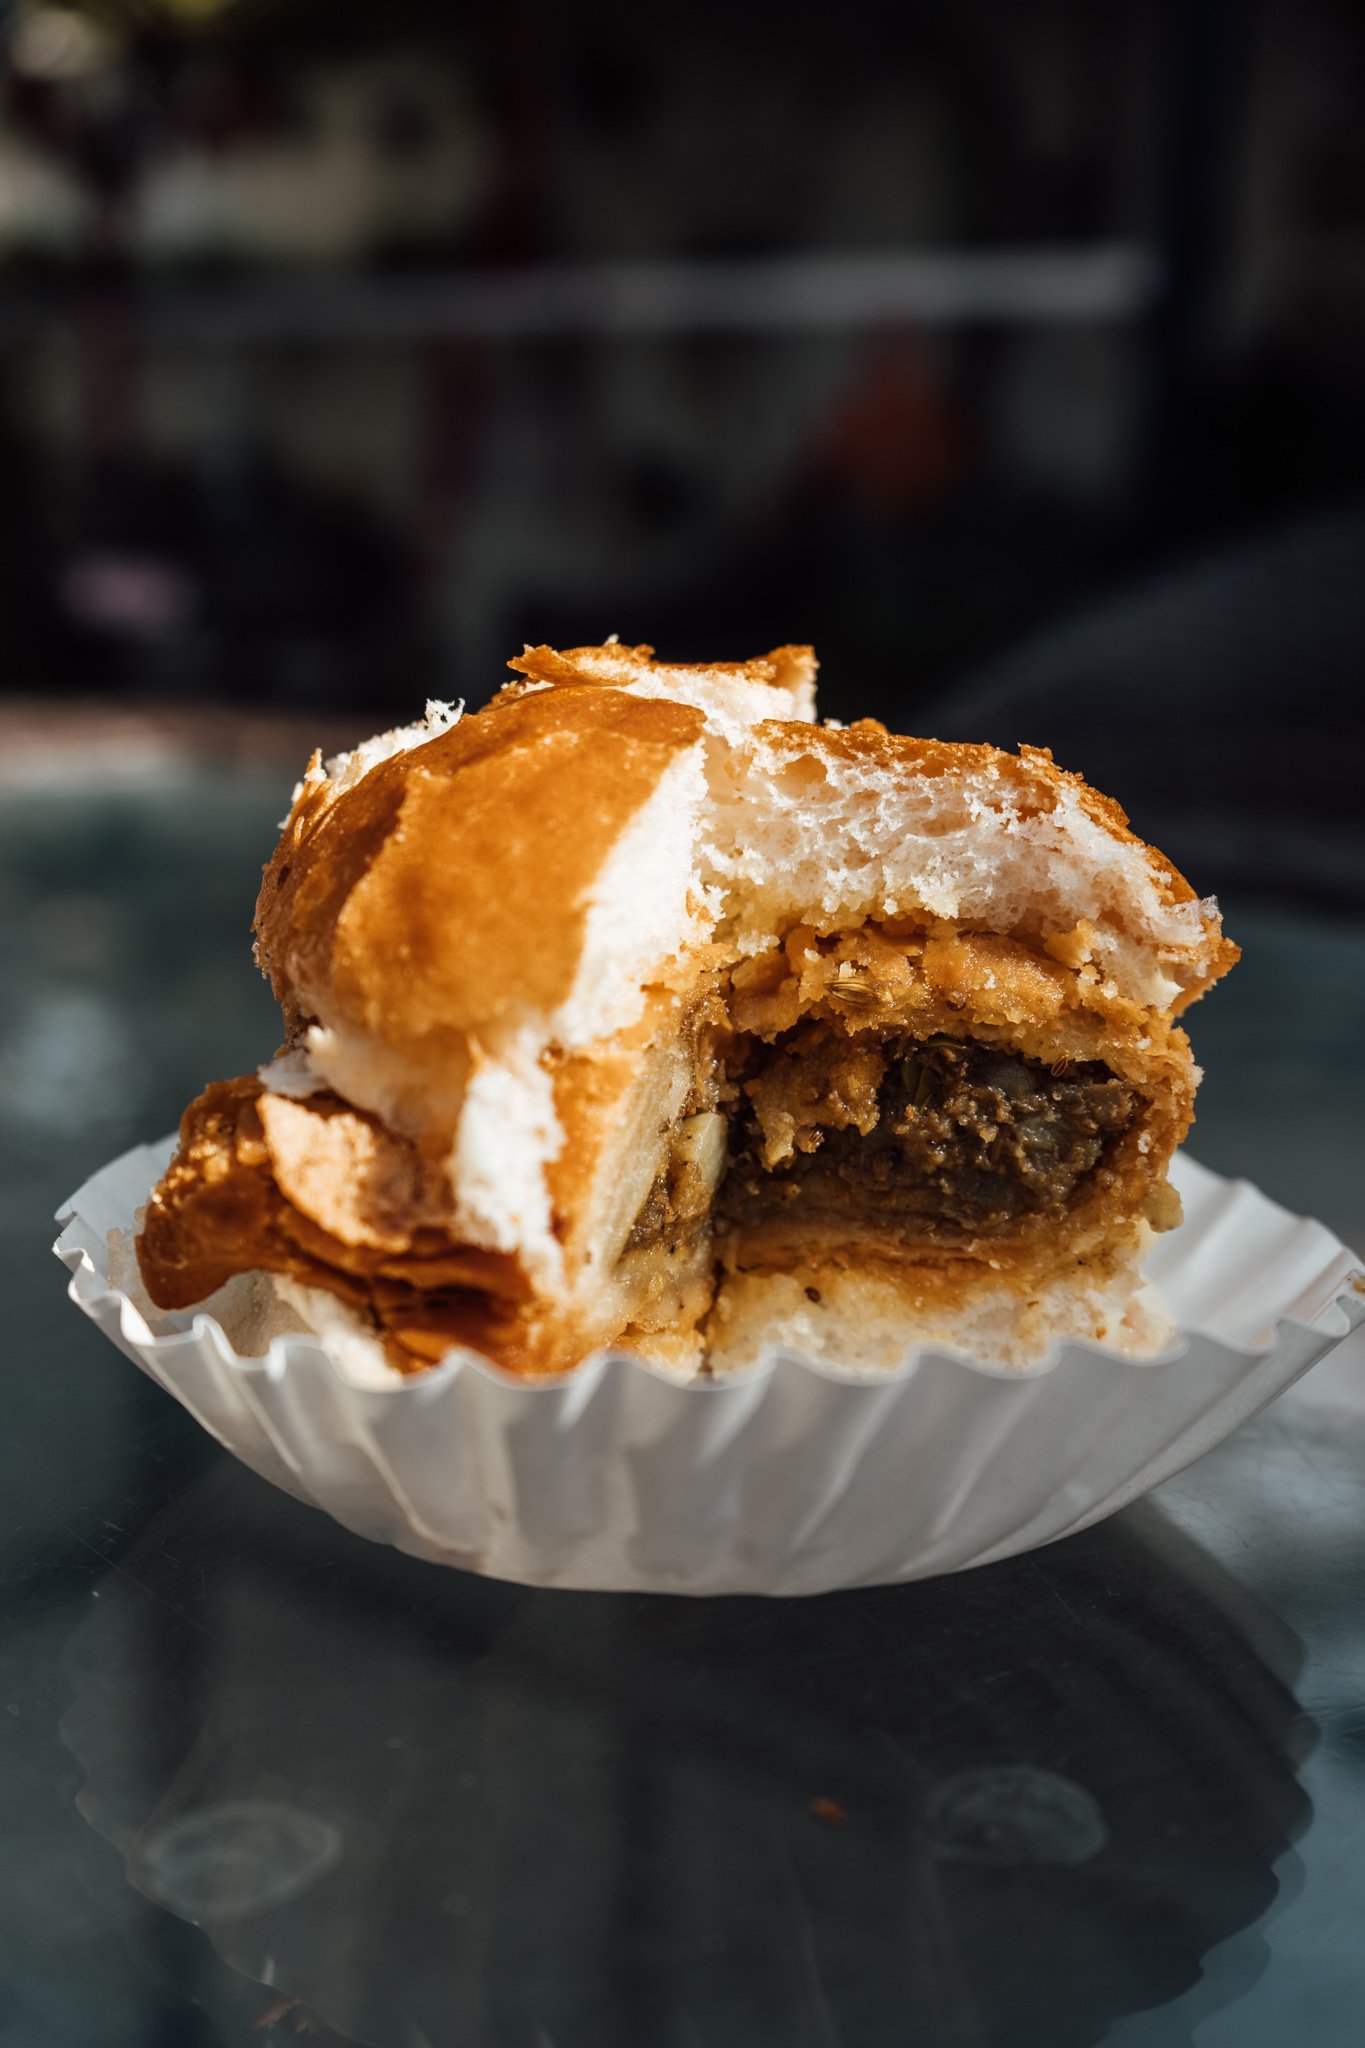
x=263 y=1780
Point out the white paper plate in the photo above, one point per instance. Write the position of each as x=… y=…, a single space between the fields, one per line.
x=786 y=1480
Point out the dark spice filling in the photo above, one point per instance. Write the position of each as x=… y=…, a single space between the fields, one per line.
x=967 y=1138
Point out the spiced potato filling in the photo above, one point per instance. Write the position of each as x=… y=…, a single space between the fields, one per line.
x=963 y=1137
x=942 y=1136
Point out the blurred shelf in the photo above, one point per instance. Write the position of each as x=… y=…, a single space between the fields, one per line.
x=80 y=743
x=1111 y=281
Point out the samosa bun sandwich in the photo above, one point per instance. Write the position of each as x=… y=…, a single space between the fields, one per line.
x=638 y=1010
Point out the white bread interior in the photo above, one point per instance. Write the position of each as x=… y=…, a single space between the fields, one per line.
x=800 y=829
x=861 y=1323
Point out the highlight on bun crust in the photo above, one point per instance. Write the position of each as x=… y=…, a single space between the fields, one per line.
x=640 y=1010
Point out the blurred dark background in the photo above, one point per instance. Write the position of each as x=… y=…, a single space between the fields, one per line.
x=1014 y=354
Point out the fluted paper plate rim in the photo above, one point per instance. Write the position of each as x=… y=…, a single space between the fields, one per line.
x=1338 y=1287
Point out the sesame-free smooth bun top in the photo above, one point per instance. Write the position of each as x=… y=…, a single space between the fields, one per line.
x=452 y=886
x=466 y=856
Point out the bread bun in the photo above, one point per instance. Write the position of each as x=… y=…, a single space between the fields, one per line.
x=639 y=1009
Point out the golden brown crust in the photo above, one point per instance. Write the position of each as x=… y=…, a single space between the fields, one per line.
x=365 y=1223
x=617 y=667
x=451 y=883
x=867 y=741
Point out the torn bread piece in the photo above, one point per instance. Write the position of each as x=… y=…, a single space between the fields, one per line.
x=639 y=1010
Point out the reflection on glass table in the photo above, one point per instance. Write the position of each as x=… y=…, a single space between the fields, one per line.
x=1016 y=1805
